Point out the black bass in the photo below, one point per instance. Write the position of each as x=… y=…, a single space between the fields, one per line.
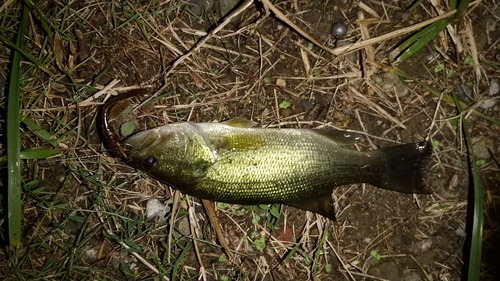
x=233 y=162
x=297 y=167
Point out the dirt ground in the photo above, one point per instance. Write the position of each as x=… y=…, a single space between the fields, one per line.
x=84 y=212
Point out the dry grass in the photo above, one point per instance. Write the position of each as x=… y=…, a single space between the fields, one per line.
x=84 y=212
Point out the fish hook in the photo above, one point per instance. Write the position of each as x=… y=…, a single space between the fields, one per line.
x=109 y=136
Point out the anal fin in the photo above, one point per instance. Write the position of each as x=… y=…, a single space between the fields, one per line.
x=322 y=205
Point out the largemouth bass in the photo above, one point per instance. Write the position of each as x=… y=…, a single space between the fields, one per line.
x=234 y=163
x=255 y=166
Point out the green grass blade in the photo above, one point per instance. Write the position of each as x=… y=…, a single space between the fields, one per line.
x=13 y=139
x=319 y=250
x=45 y=26
x=42 y=133
x=423 y=37
x=461 y=7
x=419 y=40
x=477 y=222
x=415 y=5
x=25 y=54
x=453 y=4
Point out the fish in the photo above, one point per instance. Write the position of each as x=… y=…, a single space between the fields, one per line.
x=236 y=162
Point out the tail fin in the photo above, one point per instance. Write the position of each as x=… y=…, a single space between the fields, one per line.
x=403 y=167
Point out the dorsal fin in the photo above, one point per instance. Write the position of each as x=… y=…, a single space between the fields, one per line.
x=240 y=123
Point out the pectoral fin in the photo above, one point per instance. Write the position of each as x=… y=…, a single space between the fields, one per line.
x=322 y=205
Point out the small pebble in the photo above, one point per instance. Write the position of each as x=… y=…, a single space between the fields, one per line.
x=441 y=242
x=464 y=92
x=494 y=87
x=460 y=232
x=426 y=258
x=420 y=247
x=183 y=226
x=430 y=56
x=90 y=254
x=482 y=145
x=454 y=224
x=487 y=103
x=387 y=270
x=281 y=82
x=58 y=87
x=155 y=208
x=392 y=83
x=401 y=90
x=491 y=24
x=411 y=275
x=352 y=56
x=306 y=104
x=265 y=112
x=286 y=112
x=405 y=17
x=243 y=110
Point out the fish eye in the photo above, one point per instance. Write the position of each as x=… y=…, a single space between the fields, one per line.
x=149 y=161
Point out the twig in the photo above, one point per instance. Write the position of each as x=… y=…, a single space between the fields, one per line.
x=214 y=222
x=100 y=93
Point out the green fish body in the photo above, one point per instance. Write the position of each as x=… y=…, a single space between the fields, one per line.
x=232 y=163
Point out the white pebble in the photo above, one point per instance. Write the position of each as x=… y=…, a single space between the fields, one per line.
x=460 y=232
x=494 y=87
x=265 y=112
x=486 y=103
x=155 y=208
